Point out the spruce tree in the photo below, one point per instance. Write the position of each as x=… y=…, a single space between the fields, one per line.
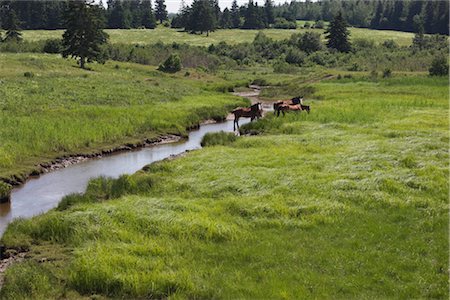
x=338 y=34
x=11 y=25
x=225 y=20
x=270 y=16
x=202 y=17
x=148 y=17
x=160 y=11
x=84 y=35
x=235 y=15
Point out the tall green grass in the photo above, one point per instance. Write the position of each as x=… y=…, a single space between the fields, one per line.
x=233 y=36
x=63 y=110
x=334 y=204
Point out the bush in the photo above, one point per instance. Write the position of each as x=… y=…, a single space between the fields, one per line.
x=171 y=65
x=260 y=82
x=310 y=42
x=319 y=24
x=307 y=25
x=387 y=73
x=283 y=67
x=218 y=138
x=5 y=191
x=28 y=74
x=390 y=44
x=52 y=46
x=439 y=66
x=295 y=57
x=282 y=23
x=361 y=44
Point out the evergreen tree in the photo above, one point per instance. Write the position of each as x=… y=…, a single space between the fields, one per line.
x=419 y=37
x=252 y=17
x=148 y=17
x=235 y=15
x=430 y=17
x=443 y=18
x=337 y=34
x=202 y=17
x=160 y=11
x=414 y=9
x=376 y=20
x=225 y=20
x=11 y=25
x=270 y=16
x=120 y=16
x=84 y=34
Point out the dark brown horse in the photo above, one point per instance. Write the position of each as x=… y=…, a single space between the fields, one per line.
x=293 y=101
x=286 y=107
x=252 y=112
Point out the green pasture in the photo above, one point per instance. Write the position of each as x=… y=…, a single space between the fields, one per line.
x=348 y=202
x=49 y=107
x=231 y=36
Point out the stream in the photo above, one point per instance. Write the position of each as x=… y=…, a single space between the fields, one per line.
x=43 y=193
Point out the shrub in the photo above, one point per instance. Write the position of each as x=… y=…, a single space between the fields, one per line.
x=387 y=73
x=282 y=23
x=310 y=42
x=260 y=82
x=5 y=190
x=319 y=24
x=218 y=138
x=390 y=44
x=52 y=46
x=28 y=74
x=283 y=67
x=295 y=57
x=439 y=66
x=171 y=65
x=363 y=44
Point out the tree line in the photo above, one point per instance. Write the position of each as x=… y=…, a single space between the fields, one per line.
x=206 y=15
x=48 y=14
x=402 y=15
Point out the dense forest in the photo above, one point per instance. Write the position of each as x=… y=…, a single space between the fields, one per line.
x=206 y=15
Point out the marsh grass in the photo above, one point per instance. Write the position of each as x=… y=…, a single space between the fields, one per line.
x=335 y=204
x=218 y=138
x=62 y=110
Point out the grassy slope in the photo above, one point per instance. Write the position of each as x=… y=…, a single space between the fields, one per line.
x=347 y=202
x=63 y=109
x=232 y=36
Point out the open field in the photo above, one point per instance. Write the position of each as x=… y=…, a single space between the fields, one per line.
x=49 y=107
x=347 y=202
x=231 y=36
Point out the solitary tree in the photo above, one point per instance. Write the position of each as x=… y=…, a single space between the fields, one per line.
x=160 y=11
x=338 y=34
x=84 y=34
x=11 y=25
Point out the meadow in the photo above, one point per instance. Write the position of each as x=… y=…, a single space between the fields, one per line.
x=50 y=108
x=350 y=201
x=230 y=36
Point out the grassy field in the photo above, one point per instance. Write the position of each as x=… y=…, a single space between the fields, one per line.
x=350 y=201
x=231 y=36
x=49 y=107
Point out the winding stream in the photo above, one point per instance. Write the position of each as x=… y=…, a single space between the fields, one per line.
x=41 y=194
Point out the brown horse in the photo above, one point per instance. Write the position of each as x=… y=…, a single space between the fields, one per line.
x=293 y=101
x=252 y=112
x=286 y=107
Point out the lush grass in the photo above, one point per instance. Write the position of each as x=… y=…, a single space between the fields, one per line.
x=60 y=109
x=231 y=36
x=347 y=202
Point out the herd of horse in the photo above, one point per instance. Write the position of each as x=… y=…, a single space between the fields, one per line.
x=255 y=111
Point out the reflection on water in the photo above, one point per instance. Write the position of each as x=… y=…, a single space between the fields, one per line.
x=40 y=194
